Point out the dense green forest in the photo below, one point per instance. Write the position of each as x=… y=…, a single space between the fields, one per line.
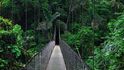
x=93 y=28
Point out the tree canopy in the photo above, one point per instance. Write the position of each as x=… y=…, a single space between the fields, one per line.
x=93 y=28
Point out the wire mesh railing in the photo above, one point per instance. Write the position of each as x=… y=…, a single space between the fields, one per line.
x=72 y=60
x=40 y=61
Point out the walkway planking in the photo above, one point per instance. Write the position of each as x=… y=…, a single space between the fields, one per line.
x=56 y=61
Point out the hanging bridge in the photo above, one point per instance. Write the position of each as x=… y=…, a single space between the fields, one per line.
x=57 y=55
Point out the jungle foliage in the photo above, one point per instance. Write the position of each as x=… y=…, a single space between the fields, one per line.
x=93 y=28
x=10 y=44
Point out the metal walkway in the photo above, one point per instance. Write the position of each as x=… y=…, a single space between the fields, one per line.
x=54 y=57
x=56 y=61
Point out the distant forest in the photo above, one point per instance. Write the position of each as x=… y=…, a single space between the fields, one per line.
x=94 y=29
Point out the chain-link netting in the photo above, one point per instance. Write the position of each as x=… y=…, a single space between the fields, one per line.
x=40 y=61
x=72 y=60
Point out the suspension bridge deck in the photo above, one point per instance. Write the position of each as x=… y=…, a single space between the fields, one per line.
x=56 y=61
x=54 y=57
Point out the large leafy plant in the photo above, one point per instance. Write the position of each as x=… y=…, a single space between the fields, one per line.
x=110 y=57
x=114 y=46
x=81 y=39
x=10 y=43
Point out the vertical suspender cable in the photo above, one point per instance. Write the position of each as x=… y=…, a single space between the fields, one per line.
x=93 y=12
x=25 y=28
x=12 y=19
x=33 y=23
